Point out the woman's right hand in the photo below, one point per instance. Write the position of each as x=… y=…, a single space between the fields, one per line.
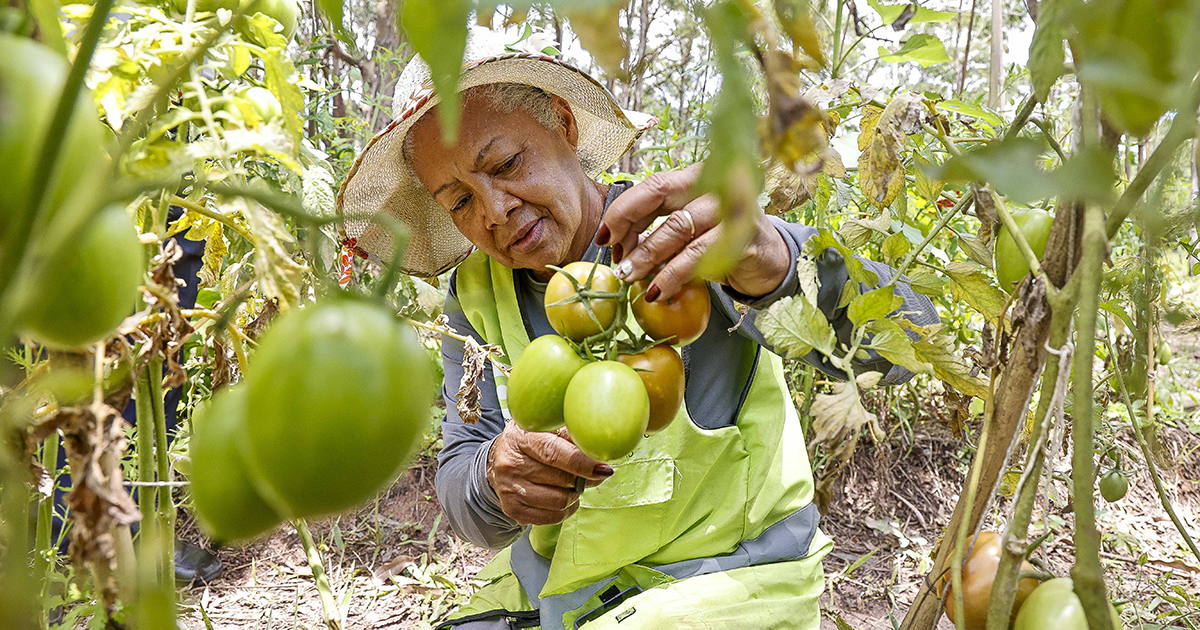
x=534 y=474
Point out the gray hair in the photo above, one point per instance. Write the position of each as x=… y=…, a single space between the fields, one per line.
x=506 y=98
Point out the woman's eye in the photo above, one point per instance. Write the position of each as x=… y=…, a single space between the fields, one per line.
x=461 y=203
x=512 y=161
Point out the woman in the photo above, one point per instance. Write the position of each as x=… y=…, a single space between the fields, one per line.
x=709 y=523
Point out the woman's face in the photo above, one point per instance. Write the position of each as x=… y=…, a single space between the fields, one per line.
x=513 y=187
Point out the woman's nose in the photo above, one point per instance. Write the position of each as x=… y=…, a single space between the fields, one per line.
x=499 y=204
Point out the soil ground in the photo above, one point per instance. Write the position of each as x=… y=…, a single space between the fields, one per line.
x=396 y=564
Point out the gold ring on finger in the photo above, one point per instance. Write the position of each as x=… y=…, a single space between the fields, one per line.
x=691 y=223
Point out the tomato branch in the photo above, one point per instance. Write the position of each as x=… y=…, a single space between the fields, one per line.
x=1088 y=574
x=941 y=225
x=219 y=217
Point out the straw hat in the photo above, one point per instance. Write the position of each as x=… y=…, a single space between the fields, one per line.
x=381 y=182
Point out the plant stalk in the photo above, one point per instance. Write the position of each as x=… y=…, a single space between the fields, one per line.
x=1088 y=573
x=166 y=504
x=329 y=605
x=144 y=406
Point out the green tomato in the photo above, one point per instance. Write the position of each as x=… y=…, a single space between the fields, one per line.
x=1164 y=353
x=227 y=501
x=1113 y=486
x=1035 y=225
x=81 y=296
x=538 y=383
x=339 y=396
x=31 y=80
x=1055 y=606
x=263 y=102
x=607 y=410
x=286 y=12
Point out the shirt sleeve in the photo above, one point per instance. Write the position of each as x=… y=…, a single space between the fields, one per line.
x=832 y=277
x=470 y=503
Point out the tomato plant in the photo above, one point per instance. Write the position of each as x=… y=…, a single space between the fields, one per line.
x=978 y=574
x=1113 y=486
x=679 y=319
x=661 y=370
x=572 y=320
x=606 y=409
x=225 y=494
x=1011 y=265
x=538 y=382
x=335 y=405
x=81 y=296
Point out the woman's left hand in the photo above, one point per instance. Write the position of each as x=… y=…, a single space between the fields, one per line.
x=691 y=227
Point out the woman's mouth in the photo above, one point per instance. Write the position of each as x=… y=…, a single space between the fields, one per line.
x=528 y=237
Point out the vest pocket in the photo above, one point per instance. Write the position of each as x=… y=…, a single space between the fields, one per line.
x=620 y=520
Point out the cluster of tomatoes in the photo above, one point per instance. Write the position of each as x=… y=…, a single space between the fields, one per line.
x=324 y=418
x=607 y=384
x=1049 y=605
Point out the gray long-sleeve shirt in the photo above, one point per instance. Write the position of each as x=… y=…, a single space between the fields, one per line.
x=717 y=369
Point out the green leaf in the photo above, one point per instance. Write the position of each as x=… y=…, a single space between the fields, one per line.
x=794 y=327
x=929 y=187
x=927 y=283
x=974 y=111
x=332 y=10
x=1046 y=56
x=1013 y=168
x=896 y=246
x=948 y=365
x=437 y=30
x=974 y=287
x=976 y=249
x=597 y=23
x=926 y=50
x=281 y=79
x=893 y=344
x=873 y=305
x=890 y=12
x=816 y=246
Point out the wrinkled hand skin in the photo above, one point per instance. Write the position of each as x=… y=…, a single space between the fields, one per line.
x=534 y=474
x=764 y=262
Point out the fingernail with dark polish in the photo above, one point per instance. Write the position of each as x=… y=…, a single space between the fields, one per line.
x=602 y=235
x=618 y=252
x=602 y=470
x=652 y=293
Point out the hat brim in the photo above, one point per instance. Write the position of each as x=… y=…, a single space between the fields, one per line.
x=379 y=182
